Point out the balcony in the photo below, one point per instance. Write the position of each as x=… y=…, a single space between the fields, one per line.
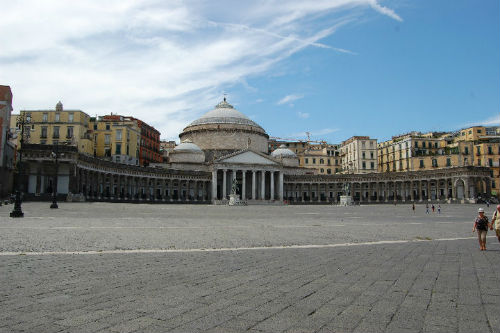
x=55 y=136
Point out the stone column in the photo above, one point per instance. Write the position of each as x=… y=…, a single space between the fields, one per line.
x=454 y=189
x=446 y=188
x=280 y=185
x=243 y=184
x=310 y=192
x=233 y=179
x=419 y=190
x=412 y=195
x=429 y=190
x=386 y=191
x=224 y=190
x=263 y=183
x=188 y=189
x=253 y=185
x=272 y=185
x=214 y=185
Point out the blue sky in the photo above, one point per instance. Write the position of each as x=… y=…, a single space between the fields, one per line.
x=332 y=68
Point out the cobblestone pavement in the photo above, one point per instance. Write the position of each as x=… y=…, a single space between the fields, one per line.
x=142 y=268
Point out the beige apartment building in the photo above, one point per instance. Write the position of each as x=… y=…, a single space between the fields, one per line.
x=474 y=146
x=359 y=155
x=56 y=127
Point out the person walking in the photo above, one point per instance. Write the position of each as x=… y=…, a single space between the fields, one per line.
x=413 y=207
x=439 y=209
x=433 y=208
x=426 y=208
x=495 y=222
x=481 y=225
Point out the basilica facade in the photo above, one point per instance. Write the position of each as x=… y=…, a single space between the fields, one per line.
x=225 y=152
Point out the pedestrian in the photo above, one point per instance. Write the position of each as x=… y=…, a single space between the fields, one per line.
x=487 y=204
x=439 y=209
x=433 y=208
x=495 y=222
x=426 y=208
x=481 y=225
x=413 y=207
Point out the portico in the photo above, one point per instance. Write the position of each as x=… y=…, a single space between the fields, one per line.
x=258 y=177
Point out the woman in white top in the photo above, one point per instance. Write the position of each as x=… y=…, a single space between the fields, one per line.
x=495 y=222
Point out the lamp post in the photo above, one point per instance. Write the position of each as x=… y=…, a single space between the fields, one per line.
x=55 y=155
x=22 y=120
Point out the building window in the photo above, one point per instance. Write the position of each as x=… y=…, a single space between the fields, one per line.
x=58 y=117
x=363 y=155
x=45 y=117
x=321 y=161
x=466 y=150
x=493 y=184
x=434 y=162
x=95 y=126
x=422 y=163
x=490 y=162
x=466 y=161
x=448 y=162
x=307 y=161
x=56 y=132
x=490 y=151
x=43 y=142
x=107 y=127
x=107 y=139
x=70 y=117
x=479 y=131
x=416 y=144
x=479 y=162
x=364 y=165
x=329 y=171
x=118 y=135
x=314 y=161
x=118 y=149
x=423 y=144
x=478 y=150
x=371 y=154
x=372 y=165
x=44 y=132
x=69 y=133
x=322 y=170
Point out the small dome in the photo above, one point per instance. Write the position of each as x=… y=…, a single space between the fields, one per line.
x=283 y=152
x=224 y=113
x=188 y=146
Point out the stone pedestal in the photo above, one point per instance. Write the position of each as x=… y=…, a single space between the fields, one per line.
x=346 y=200
x=234 y=200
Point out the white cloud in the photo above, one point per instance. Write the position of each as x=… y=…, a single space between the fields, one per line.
x=492 y=121
x=164 y=62
x=303 y=115
x=289 y=99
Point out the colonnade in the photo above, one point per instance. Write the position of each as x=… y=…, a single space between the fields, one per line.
x=251 y=184
x=97 y=185
x=448 y=188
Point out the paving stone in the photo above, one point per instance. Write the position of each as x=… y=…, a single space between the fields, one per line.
x=435 y=286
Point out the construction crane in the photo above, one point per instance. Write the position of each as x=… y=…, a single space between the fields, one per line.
x=299 y=140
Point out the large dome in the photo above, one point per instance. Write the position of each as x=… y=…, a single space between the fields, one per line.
x=226 y=129
x=224 y=113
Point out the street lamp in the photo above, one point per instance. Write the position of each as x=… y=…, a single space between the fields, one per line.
x=22 y=120
x=55 y=155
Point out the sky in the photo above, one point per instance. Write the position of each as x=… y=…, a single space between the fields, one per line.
x=333 y=68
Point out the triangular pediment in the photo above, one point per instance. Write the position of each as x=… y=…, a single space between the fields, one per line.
x=247 y=157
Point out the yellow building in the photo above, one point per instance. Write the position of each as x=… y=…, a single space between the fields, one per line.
x=322 y=158
x=116 y=138
x=58 y=126
x=474 y=146
x=359 y=155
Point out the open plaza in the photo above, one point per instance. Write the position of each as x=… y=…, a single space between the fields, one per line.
x=116 y=267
